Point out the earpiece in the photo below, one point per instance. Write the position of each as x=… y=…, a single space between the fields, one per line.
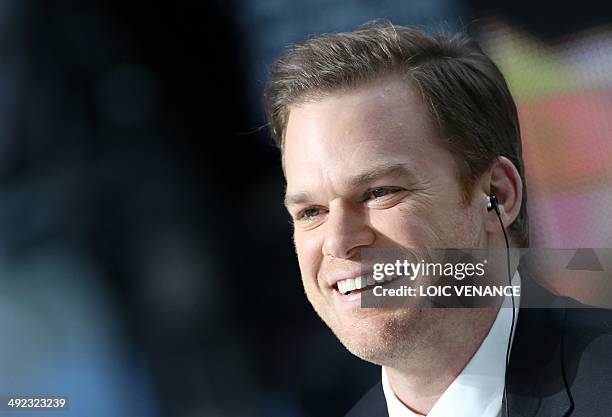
x=492 y=204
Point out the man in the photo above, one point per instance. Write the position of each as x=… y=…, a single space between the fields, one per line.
x=392 y=138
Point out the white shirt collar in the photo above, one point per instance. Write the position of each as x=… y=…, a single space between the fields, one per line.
x=478 y=389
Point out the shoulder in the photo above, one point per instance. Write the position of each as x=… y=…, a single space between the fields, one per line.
x=585 y=320
x=561 y=357
x=586 y=330
x=587 y=341
x=586 y=351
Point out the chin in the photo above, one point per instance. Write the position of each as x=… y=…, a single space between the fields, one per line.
x=381 y=338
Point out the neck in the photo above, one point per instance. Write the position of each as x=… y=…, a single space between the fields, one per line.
x=420 y=379
x=420 y=375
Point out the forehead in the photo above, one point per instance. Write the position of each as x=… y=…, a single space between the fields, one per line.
x=381 y=122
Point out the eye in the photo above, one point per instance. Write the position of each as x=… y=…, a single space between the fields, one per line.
x=380 y=192
x=309 y=214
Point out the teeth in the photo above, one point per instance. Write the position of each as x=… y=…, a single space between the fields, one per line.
x=346 y=285
x=351 y=284
x=360 y=282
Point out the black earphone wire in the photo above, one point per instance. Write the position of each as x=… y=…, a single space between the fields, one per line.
x=513 y=312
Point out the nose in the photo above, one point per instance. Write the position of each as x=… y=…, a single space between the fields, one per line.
x=346 y=230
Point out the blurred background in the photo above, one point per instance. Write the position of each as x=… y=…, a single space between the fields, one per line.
x=146 y=264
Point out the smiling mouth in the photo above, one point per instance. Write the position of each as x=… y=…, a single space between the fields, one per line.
x=359 y=284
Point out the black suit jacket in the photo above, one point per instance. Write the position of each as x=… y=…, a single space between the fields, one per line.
x=561 y=361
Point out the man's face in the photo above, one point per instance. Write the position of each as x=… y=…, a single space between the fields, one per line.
x=365 y=169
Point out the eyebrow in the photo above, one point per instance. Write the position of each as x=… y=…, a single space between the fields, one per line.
x=296 y=199
x=386 y=169
x=371 y=175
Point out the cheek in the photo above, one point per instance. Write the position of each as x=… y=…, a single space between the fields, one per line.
x=406 y=225
x=410 y=231
x=470 y=226
x=442 y=228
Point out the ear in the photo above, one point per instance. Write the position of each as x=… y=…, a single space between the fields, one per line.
x=505 y=183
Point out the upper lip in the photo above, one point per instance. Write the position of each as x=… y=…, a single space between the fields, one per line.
x=332 y=279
